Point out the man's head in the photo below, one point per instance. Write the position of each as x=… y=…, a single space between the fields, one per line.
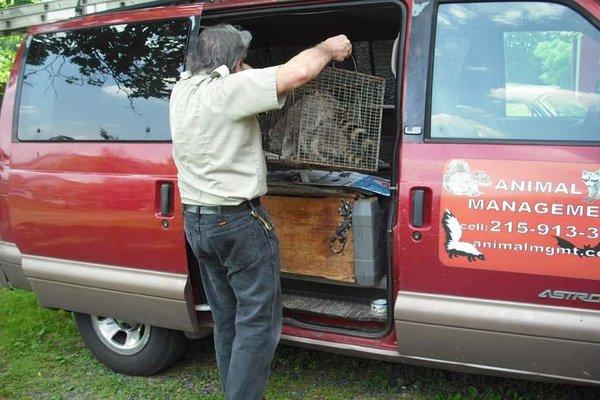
x=219 y=45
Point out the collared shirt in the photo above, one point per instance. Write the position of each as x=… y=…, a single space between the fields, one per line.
x=217 y=144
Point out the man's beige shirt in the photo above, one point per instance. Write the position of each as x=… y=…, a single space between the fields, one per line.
x=217 y=145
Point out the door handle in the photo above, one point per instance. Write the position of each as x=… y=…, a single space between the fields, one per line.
x=420 y=201
x=166 y=199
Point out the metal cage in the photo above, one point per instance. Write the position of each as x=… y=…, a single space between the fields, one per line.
x=334 y=121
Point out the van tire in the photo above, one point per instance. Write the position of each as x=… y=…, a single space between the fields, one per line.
x=161 y=347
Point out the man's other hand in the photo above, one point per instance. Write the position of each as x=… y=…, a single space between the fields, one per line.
x=339 y=47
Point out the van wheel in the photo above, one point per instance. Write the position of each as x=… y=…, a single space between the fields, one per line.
x=130 y=348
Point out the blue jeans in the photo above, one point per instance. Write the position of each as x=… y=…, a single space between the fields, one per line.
x=240 y=269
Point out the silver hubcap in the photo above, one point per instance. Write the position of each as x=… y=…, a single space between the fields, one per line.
x=121 y=336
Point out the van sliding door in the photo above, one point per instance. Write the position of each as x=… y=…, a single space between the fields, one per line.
x=93 y=196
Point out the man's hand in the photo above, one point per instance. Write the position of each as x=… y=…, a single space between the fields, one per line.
x=308 y=64
x=339 y=47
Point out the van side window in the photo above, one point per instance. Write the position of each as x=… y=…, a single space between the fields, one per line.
x=108 y=83
x=516 y=71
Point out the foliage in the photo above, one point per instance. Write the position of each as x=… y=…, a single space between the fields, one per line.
x=556 y=57
x=9 y=44
x=8 y=48
x=14 y=3
x=42 y=357
x=540 y=58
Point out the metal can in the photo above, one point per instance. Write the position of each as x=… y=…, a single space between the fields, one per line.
x=379 y=307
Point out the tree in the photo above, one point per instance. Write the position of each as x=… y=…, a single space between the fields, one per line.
x=556 y=57
x=9 y=44
x=540 y=58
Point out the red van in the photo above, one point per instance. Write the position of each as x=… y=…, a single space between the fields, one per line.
x=484 y=256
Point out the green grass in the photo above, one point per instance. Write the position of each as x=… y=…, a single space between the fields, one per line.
x=42 y=357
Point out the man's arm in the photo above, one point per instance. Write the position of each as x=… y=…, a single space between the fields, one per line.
x=308 y=64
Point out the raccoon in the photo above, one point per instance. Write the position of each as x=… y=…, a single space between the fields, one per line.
x=592 y=181
x=318 y=128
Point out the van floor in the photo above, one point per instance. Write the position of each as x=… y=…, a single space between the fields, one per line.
x=334 y=306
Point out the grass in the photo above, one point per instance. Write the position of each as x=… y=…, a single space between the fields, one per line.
x=42 y=357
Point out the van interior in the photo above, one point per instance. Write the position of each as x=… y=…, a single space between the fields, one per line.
x=333 y=239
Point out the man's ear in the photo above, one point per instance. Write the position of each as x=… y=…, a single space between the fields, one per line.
x=239 y=66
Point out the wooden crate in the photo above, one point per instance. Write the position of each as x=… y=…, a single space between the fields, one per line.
x=304 y=226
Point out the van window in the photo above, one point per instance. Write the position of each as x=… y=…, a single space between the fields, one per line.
x=108 y=83
x=517 y=71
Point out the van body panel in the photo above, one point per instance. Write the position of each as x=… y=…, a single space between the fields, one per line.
x=11 y=270
x=114 y=191
x=6 y=126
x=156 y=298
x=422 y=166
x=157 y=311
x=87 y=216
x=590 y=5
x=130 y=280
x=236 y=4
x=538 y=341
x=499 y=316
x=500 y=353
x=539 y=325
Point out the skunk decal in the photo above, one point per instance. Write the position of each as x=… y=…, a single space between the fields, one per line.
x=585 y=251
x=454 y=247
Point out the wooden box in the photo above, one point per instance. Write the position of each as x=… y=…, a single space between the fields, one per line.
x=304 y=226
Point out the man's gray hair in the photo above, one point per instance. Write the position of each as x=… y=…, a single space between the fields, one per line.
x=218 y=45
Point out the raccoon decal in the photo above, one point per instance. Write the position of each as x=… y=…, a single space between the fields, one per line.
x=592 y=182
x=454 y=247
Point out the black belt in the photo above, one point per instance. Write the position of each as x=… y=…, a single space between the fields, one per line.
x=244 y=206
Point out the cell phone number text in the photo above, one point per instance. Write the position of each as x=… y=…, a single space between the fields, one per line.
x=569 y=231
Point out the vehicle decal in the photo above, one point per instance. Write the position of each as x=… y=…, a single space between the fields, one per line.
x=520 y=216
x=573 y=296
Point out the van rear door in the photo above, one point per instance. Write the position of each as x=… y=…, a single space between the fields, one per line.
x=498 y=242
x=92 y=191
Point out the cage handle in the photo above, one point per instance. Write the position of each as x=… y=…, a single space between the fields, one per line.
x=353 y=61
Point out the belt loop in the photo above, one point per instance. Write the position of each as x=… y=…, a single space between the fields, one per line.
x=251 y=204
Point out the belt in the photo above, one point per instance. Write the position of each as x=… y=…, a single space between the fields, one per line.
x=244 y=206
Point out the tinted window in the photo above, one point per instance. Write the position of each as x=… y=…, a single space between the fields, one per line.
x=105 y=83
x=511 y=70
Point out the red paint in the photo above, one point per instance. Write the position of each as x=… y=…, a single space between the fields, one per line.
x=422 y=165
x=111 y=201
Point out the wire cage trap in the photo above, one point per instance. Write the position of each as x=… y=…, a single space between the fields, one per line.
x=334 y=121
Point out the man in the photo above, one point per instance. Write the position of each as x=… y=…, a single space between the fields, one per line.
x=217 y=148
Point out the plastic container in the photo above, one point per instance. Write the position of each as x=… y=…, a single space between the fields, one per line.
x=368 y=227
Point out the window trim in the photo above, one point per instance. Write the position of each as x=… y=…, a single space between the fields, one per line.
x=575 y=7
x=28 y=39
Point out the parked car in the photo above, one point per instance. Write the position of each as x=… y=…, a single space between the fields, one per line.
x=484 y=258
